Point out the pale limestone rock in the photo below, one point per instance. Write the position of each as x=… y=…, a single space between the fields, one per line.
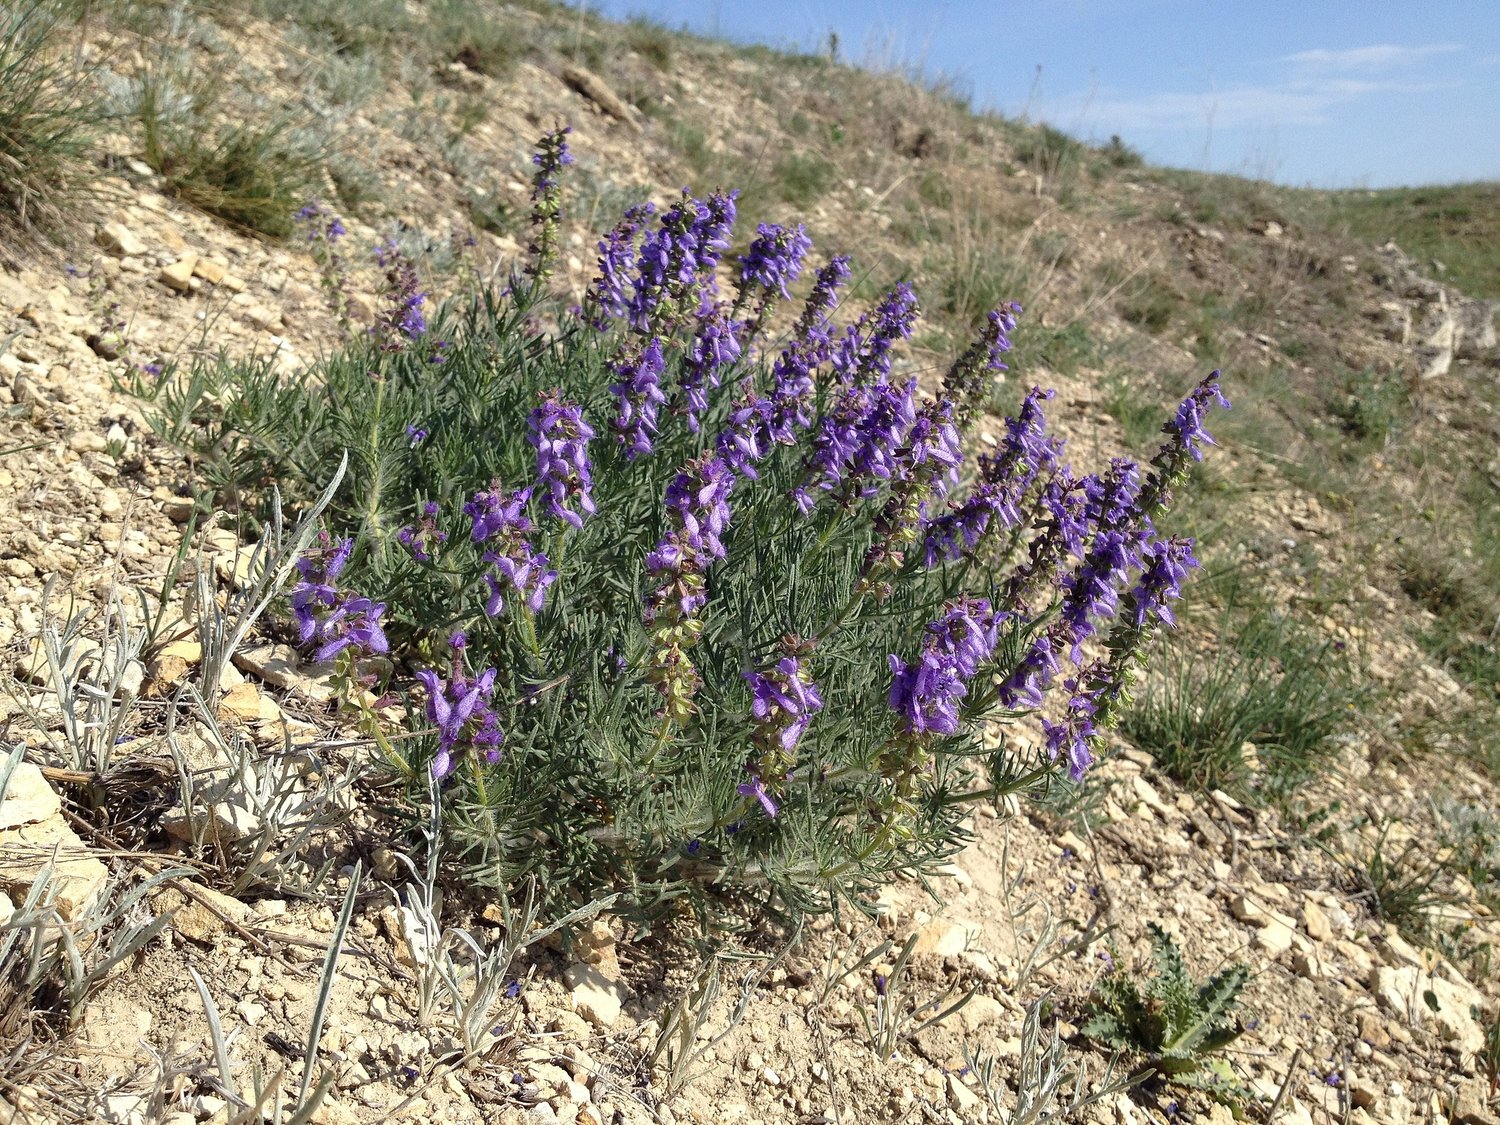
x=28 y=799
x=1315 y=921
x=1410 y=994
x=982 y=1011
x=943 y=937
x=78 y=879
x=595 y=996
x=209 y=270
x=119 y=239
x=961 y=1098
x=178 y=276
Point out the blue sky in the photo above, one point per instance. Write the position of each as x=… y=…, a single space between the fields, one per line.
x=1328 y=93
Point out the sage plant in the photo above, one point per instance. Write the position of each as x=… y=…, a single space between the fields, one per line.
x=707 y=594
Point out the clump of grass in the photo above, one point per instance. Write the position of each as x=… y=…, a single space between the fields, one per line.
x=1151 y=303
x=651 y=41
x=47 y=118
x=253 y=175
x=368 y=27
x=1050 y=153
x=1138 y=415
x=1062 y=349
x=1269 y=685
x=458 y=32
x=1400 y=885
x=803 y=177
x=1118 y=154
x=1371 y=406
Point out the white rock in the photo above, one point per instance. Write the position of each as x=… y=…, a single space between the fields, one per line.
x=595 y=996
x=119 y=239
x=28 y=799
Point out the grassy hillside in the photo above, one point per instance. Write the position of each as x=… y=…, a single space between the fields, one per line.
x=1326 y=721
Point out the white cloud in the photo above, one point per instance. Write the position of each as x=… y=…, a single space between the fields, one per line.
x=1316 y=83
x=1385 y=56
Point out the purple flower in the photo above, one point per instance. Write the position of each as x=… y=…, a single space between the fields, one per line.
x=561 y=436
x=353 y=622
x=1075 y=736
x=926 y=694
x=883 y=433
x=400 y=320
x=813 y=325
x=322 y=224
x=1004 y=481
x=1091 y=593
x=422 y=537
x=970 y=377
x=775 y=258
x=550 y=158
x=756 y=788
x=746 y=437
x=697 y=503
x=460 y=708
x=674 y=271
x=346 y=621
x=415 y=434
x=860 y=440
x=1165 y=563
x=1186 y=427
x=1032 y=676
x=640 y=394
x=493 y=511
x=698 y=498
x=606 y=299
x=521 y=569
x=863 y=355
x=713 y=348
x=783 y=702
x=499 y=519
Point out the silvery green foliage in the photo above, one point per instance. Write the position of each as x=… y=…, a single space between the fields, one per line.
x=94 y=682
x=267 y=569
x=684 y=1036
x=1048 y=1087
x=892 y=1018
x=461 y=980
x=261 y=814
x=646 y=569
x=265 y=1099
x=38 y=945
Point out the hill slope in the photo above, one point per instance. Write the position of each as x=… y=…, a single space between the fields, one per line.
x=1308 y=785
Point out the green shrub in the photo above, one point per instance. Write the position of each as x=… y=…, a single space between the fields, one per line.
x=651 y=41
x=253 y=175
x=657 y=667
x=802 y=178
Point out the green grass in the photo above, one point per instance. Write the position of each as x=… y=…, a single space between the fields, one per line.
x=458 y=31
x=47 y=119
x=1401 y=884
x=253 y=175
x=1457 y=225
x=651 y=41
x=802 y=178
x=1268 y=684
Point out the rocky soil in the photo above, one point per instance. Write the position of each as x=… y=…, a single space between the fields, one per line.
x=1346 y=1020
